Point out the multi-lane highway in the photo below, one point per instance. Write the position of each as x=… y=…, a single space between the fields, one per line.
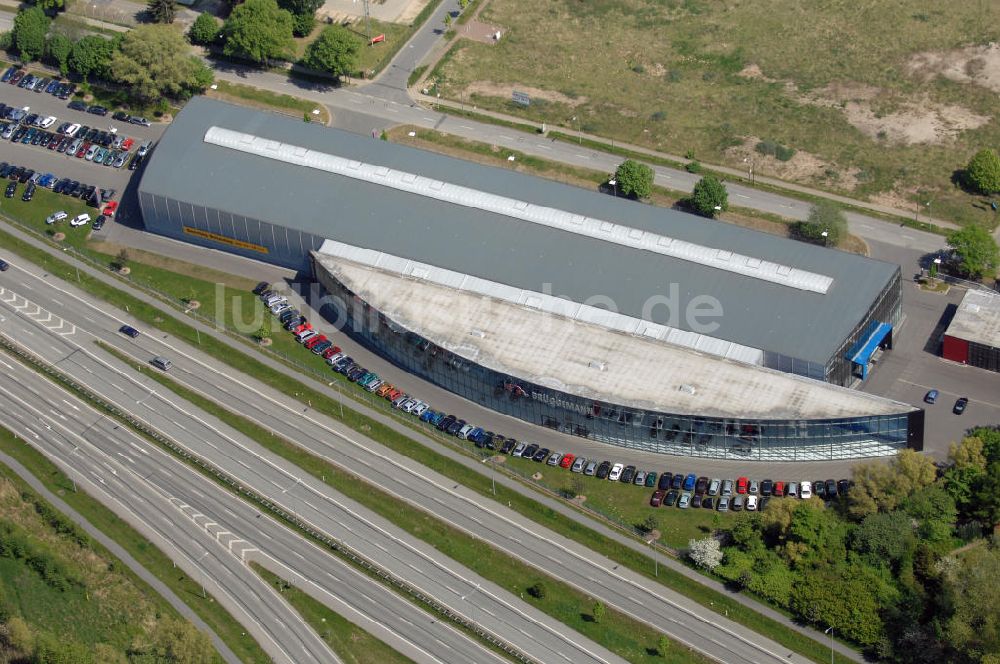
x=69 y=345
x=125 y=472
x=99 y=451
x=595 y=575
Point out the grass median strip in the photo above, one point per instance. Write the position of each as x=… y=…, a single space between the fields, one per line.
x=351 y=643
x=407 y=446
x=147 y=554
x=624 y=636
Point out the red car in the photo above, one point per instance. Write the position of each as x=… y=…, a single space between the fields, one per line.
x=567 y=461
x=83 y=150
x=741 y=485
x=330 y=352
x=318 y=339
x=657 y=499
x=779 y=489
x=110 y=209
x=127 y=144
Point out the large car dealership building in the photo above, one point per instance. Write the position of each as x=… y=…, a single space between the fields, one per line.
x=605 y=318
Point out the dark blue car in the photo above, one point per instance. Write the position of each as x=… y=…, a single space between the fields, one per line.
x=129 y=330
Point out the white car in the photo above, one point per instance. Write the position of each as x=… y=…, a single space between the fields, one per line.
x=419 y=409
x=55 y=216
x=464 y=432
x=805 y=490
x=280 y=307
x=47 y=122
x=374 y=385
x=310 y=334
x=72 y=129
x=410 y=407
x=80 y=220
x=616 y=472
x=336 y=357
x=751 y=503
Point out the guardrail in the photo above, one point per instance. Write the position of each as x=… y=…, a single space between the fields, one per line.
x=342 y=549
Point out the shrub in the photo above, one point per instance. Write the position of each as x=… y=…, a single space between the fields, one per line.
x=775 y=149
x=694 y=167
x=983 y=171
x=537 y=590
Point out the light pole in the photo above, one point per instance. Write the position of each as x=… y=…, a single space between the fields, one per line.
x=614 y=183
x=656 y=561
x=825 y=235
x=830 y=632
x=472 y=611
x=578 y=135
x=749 y=162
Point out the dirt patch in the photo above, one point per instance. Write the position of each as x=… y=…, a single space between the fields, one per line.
x=481 y=32
x=922 y=122
x=802 y=167
x=979 y=65
x=504 y=90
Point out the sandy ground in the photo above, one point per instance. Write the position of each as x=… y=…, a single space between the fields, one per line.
x=390 y=11
x=504 y=90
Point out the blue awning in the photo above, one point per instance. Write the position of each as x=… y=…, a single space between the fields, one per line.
x=861 y=353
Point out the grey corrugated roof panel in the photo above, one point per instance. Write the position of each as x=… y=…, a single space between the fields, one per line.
x=804 y=325
x=977 y=319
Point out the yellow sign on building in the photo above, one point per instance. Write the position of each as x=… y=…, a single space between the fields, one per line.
x=232 y=242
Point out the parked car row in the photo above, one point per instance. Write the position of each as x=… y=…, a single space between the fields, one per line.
x=682 y=490
x=102 y=198
x=22 y=79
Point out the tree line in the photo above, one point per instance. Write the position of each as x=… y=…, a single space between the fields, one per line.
x=907 y=567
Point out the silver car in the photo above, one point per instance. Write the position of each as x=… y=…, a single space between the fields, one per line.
x=713 y=487
x=727 y=488
x=578 y=465
x=591 y=468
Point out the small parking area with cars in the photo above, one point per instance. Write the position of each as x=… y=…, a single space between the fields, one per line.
x=42 y=134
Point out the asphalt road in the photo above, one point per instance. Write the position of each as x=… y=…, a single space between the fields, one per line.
x=124 y=472
x=597 y=576
x=67 y=344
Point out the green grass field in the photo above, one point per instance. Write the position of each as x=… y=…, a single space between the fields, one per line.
x=831 y=80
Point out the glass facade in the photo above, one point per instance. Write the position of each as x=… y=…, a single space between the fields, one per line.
x=663 y=432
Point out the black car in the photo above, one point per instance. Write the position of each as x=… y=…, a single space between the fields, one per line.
x=4 y=266
x=831 y=489
x=819 y=488
x=25 y=176
x=529 y=451
x=31 y=119
x=843 y=486
x=766 y=487
x=261 y=287
x=446 y=422
x=67 y=90
x=97 y=110
x=677 y=482
x=603 y=470
x=11 y=188
x=39 y=137
x=135 y=163
x=99 y=222
x=541 y=455
x=71 y=188
x=291 y=314
x=708 y=502
x=88 y=193
x=129 y=331
x=5 y=170
x=508 y=445
x=29 y=192
x=121 y=115
x=77 y=105
x=107 y=195
x=454 y=427
x=670 y=499
x=960 y=405
x=665 y=480
x=627 y=475
x=696 y=500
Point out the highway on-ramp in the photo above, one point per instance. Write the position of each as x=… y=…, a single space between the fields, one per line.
x=600 y=577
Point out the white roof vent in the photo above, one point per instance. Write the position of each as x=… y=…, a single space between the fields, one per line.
x=687 y=389
x=476 y=332
x=600 y=366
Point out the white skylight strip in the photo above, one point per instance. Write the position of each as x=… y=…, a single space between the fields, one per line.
x=545 y=216
x=542 y=302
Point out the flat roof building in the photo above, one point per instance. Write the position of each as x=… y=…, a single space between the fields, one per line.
x=973 y=336
x=622 y=278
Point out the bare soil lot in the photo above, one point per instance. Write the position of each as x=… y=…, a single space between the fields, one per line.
x=886 y=98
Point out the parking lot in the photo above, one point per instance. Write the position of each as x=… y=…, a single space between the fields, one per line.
x=43 y=160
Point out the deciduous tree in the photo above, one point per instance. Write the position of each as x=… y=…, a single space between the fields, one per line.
x=30 y=27
x=205 y=29
x=710 y=197
x=154 y=61
x=882 y=487
x=259 y=30
x=335 y=51
x=57 y=50
x=598 y=612
x=705 y=552
x=824 y=217
x=91 y=55
x=975 y=249
x=634 y=179
x=983 y=171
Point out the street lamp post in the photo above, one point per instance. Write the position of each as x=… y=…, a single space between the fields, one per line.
x=578 y=135
x=830 y=632
x=656 y=561
x=614 y=183
x=825 y=235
